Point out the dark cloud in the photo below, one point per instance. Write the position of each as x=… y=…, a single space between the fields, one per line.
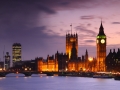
x=90 y=41
x=115 y=22
x=51 y=32
x=35 y=42
x=87 y=17
x=17 y=14
x=96 y=28
x=19 y=19
x=89 y=24
x=46 y=9
x=87 y=32
x=64 y=3
x=24 y=5
x=118 y=33
x=86 y=36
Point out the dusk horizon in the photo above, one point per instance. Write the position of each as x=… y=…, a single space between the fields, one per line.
x=41 y=26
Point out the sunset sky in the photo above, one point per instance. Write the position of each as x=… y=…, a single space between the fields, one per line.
x=41 y=25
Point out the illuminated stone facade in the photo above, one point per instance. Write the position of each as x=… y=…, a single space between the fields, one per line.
x=101 y=49
x=61 y=63
x=49 y=65
x=77 y=65
x=69 y=61
x=70 y=38
x=64 y=63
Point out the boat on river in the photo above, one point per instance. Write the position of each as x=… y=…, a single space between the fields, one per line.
x=117 y=77
x=102 y=75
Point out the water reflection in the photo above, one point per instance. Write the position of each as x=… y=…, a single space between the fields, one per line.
x=2 y=78
x=43 y=82
x=16 y=76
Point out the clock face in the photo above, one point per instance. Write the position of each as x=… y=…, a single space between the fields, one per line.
x=102 y=41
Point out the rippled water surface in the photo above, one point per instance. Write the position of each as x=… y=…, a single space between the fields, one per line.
x=38 y=82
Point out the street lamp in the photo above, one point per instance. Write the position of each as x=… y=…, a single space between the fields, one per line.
x=66 y=69
x=90 y=62
x=25 y=69
x=0 y=69
x=90 y=59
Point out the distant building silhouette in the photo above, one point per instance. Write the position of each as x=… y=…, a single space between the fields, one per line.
x=86 y=59
x=101 y=49
x=1 y=65
x=26 y=65
x=62 y=61
x=16 y=52
x=113 y=61
x=7 y=61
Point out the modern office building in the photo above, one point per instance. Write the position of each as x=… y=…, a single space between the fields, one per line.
x=101 y=49
x=16 y=52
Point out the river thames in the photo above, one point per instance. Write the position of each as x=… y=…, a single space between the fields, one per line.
x=38 y=82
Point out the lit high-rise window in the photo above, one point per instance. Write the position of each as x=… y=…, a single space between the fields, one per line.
x=16 y=52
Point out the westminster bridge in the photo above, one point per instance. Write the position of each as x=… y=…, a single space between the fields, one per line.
x=26 y=73
x=29 y=73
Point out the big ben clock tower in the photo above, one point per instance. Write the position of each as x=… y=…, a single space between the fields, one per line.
x=101 y=49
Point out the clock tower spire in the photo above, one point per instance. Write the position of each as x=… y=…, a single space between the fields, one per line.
x=101 y=30
x=101 y=49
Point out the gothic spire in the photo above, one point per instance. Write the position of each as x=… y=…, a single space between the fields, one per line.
x=101 y=26
x=101 y=30
x=86 y=53
x=71 y=28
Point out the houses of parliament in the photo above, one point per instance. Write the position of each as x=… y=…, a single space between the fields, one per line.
x=70 y=61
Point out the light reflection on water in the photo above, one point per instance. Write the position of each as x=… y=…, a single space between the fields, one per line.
x=42 y=82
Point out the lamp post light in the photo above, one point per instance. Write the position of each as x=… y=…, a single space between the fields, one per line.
x=90 y=62
x=90 y=59
x=25 y=69
x=66 y=69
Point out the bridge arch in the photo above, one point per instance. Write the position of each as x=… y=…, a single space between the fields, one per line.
x=14 y=74
x=3 y=74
